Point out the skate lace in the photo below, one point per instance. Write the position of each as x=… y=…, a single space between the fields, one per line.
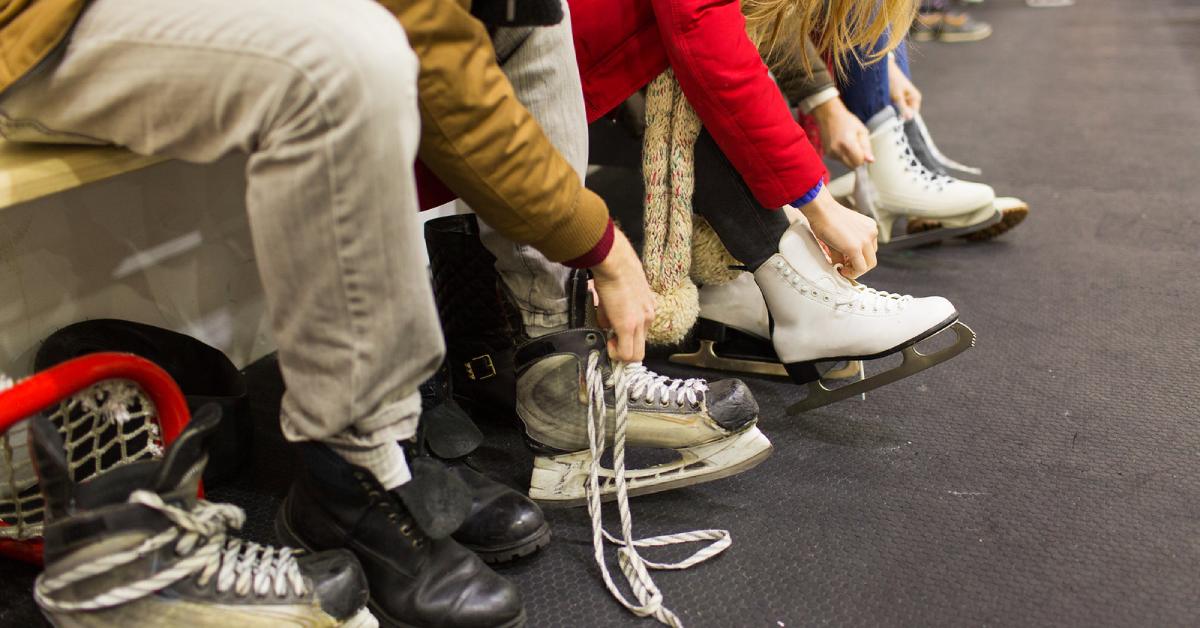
x=913 y=166
x=635 y=568
x=859 y=296
x=654 y=388
x=199 y=538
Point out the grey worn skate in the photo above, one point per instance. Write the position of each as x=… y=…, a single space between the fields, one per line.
x=135 y=547
x=711 y=426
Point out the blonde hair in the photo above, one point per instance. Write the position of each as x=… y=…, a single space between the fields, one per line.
x=841 y=29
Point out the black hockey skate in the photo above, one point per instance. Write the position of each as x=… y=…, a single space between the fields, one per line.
x=134 y=547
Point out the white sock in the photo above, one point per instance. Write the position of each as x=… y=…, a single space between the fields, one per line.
x=386 y=462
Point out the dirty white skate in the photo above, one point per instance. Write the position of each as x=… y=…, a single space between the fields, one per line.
x=820 y=316
x=899 y=186
x=711 y=426
x=734 y=334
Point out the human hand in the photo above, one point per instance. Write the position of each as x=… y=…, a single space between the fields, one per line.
x=625 y=303
x=843 y=135
x=906 y=95
x=852 y=238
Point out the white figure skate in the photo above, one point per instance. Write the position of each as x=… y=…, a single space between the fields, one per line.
x=820 y=316
x=734 y=334
x=1012 y=210
x=898 y=185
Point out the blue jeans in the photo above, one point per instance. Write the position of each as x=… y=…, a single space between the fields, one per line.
x=865 y=89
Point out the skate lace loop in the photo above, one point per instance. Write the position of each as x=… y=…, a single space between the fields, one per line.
x=652 y=387
x=860 y=296
x=635 y=568
x=199 y=538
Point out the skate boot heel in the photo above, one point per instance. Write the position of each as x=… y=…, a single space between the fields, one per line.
x=802 y=372
x=885 y=220
x=710 y=330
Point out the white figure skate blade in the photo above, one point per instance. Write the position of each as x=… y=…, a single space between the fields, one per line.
x=914 y=362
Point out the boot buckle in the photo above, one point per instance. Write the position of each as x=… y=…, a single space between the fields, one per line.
x=480 y=367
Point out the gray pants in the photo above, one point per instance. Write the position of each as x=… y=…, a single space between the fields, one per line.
x=322 y=96
x=540 y=64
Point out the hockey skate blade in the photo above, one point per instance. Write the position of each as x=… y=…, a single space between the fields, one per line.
x=560 y=481
x=706 y=358
x=914 y=362
x=933 y=236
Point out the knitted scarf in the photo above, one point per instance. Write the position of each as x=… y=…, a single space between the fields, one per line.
x=679 y=248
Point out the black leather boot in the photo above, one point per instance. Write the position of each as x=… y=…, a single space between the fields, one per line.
x=418 y=575
x=503 y=524
x=139 y=528
x=481 y=325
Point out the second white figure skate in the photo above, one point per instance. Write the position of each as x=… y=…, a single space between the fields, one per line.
x=819 y=317
x=1013 y=211
x=899 y=186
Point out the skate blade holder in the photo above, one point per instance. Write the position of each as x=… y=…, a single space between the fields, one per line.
x=913 y=362
x=706 y=357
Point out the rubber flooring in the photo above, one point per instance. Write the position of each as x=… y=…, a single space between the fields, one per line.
x=1048 y=477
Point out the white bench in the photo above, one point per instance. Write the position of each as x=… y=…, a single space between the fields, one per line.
x=92 y=232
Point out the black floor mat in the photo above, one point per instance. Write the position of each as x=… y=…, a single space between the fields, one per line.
x=1051 y=475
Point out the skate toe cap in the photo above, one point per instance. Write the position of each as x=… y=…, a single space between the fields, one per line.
x=731 y=404
x=975 y=194
x=937 y=310
x=338 y=581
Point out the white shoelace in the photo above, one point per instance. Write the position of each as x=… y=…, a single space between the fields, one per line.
x=199 y=536
x=865 y=298
x=654 y=388
x=913 y=166
x=635 y=568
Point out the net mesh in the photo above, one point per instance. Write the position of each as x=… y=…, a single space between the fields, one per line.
x=112 y=423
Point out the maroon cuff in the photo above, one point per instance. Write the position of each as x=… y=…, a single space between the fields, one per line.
x=598 y=252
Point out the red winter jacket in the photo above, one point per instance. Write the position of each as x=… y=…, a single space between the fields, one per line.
x=621 y=45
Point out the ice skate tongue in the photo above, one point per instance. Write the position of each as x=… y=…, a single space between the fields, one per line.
x=184 y=461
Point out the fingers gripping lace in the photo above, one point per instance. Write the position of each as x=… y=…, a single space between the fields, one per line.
x=199 y=537
x=635 y=568
x=652 y=387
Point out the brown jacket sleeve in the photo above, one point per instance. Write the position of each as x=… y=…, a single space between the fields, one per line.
x=796 y=82
x=478 y=138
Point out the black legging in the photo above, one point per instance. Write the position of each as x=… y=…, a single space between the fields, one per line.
x=750 y=231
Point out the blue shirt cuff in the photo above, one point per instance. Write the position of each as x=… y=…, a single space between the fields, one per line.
x=812 y=195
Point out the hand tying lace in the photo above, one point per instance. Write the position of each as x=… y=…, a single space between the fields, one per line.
x=654 y=388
